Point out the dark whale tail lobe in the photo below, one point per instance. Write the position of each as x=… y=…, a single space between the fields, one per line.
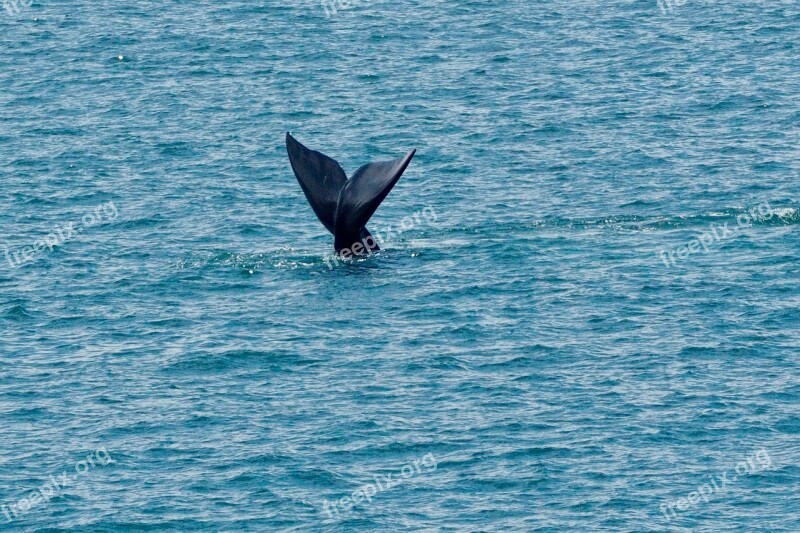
x=320 y=177
x=344 y=207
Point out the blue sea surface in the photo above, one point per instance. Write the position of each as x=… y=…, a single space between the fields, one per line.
x=585 y=315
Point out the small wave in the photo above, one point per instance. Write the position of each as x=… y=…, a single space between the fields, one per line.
x=416 y=245
x=284 y=258
x=781 y=216
x=17 y=312
x=292 y=259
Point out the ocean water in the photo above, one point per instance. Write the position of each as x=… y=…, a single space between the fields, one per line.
x=585 y=316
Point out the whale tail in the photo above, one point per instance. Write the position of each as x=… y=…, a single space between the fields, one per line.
x=344 y=206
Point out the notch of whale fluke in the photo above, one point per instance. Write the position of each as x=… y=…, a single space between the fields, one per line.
x=344 y=206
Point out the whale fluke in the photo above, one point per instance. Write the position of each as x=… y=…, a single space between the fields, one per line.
x=344 y=206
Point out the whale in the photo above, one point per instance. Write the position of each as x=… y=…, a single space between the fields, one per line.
x=344 y=206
